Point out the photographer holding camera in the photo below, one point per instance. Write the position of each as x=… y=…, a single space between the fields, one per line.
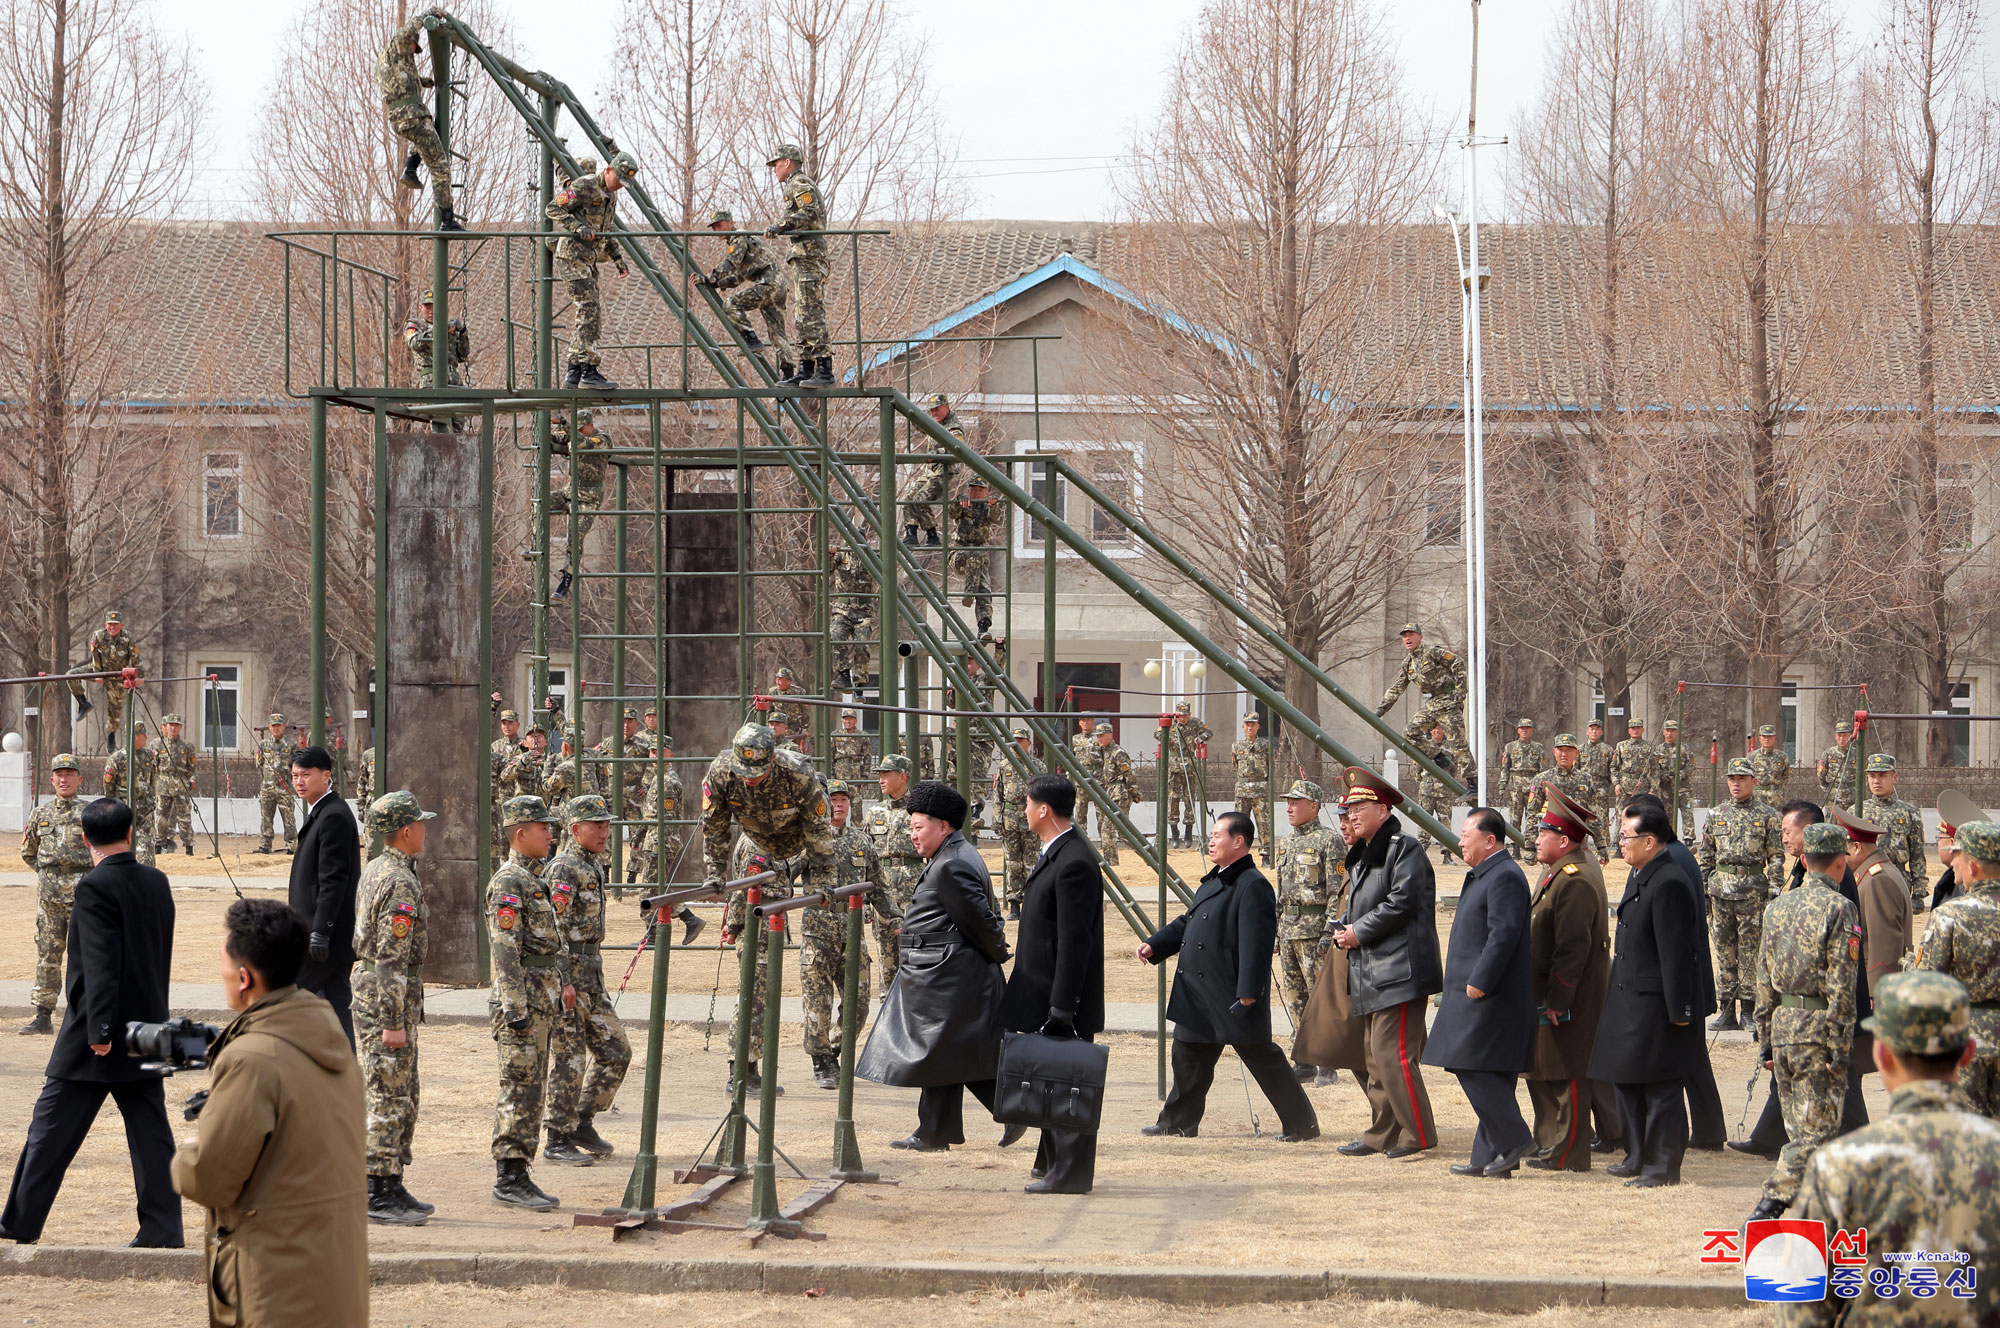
x=121 y=948
x=279 y=1160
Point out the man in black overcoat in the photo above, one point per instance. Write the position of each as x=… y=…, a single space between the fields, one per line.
x=1485 y=1029
x=1649 y=1038
x=1058 y=980
x=1222 y=988
x=326 y=871
x=939 y=1028
x=1707 y=1129
x=121 y=952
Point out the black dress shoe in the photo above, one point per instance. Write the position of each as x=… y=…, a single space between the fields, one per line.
x=1402 y=1150
x=918 y=1145
x=1752 y=1148
x=1767 y=1209
x=1012 y=1135
x=1036 y=1173
x=1650 y=1183
x=1598 y=1145
x=1307 y=1135
x=1544 y=1164
x=1466 y=1169
x=1622 y=1169
x=1168 y=1131
x=1355 y=1148
x=1510 y=1159
x=136 y=1244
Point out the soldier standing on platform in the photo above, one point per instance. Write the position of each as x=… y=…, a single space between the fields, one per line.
x=274 y=785
x=1252 y=758
x=853 y=752
x=823 y=952
x=584 y=211
x=1902 y=827
x=889 y=831
x=52 y=845
x=524 y=934
x=136 y=787
x=1521 y=764
x=1742 y=859
x=1019 y=844
x=805 y=266
x=1773 y=766
x=1836 y=766
x=391 y=942
x=173 y=789
x=419 y=338
x=1312 y=885
x=850 y=617
x=589 y=1034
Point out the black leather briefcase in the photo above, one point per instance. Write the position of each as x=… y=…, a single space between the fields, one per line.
x=1049 y=1082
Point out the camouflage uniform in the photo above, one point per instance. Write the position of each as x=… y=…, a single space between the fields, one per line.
x=1742 y=861
x=1312 y=881
x=1574 y=781
x=1671 y=759
x=1773 y=769
x=1521 y=764
x=888 y=829
x=591 y=1031
x=1432 y=795
x=748 y=263
x=1635 y=769
x=498 y=754
x=1021 y=848
x=1903 y=841
x=367 y=779
x=521 y=776
x=420 y=340
x=1112 y=769
x=390 y=940
x=108 y=654
x=1963 y=940
x=53 y=846
x=403 y=101
x=137 y=793
x=823 y=953
x=805 y=264
x=1440 y=676
x=527 y=952
x=850 y=614
x=1181 y=744
x=584 y=205
x=1805 y=1009
x=274 y=788
x=922 y=487
x=1920 y=1179
x=659 y=797
x=173 y=791
x=583 y=490
x=975 y=523
x=1252 y=758
x=1836 y=773
x=853 y=758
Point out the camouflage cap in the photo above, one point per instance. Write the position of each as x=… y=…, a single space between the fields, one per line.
x=1981 y=840
x=1252 y=719
x=1881 y=763
x=392 y=811
x=1825 y=839
x=720 y=215
x=510 y=716
x=586 y=807
x=572 y=733
x=139 y=730
x=750 y=750
x=624 y=163
x=1844 y=726
x=1921 y=1013
x=525 y=810
x=584 y=417
x=785 y=152
x=114 y=617
x=1635 y=723
x=630 y=713
x=651 y=712
x=1305 y=788
x=170 y=718
x=276 y=719
x=936 y=399
x=1022 y=731
x=666 y=740
x=892 y=762
x=1955 y=809
x=1102 y=726
x=1567 y=740
x=1524 y=723
x=839 y=788
x=1409 y=627
x=1767 y=731
x=430 y=296
x=1595 y=724
x=848 y=714
x=1183 y=708
x=1673 y=724
x=1739 y=766
x=785 y=673
x=66 y=761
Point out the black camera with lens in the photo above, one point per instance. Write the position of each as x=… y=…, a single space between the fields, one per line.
x=176 y=1044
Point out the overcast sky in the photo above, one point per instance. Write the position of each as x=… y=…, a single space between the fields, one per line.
x=1043 y=94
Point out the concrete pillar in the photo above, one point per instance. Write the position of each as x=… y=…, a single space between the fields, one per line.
x=702 y=542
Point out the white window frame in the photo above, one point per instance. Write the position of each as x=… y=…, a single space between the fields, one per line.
x=235 y=687
x=1436 y=471
x=1788 y=703
x=1963 y=705
x=1957 y=476
x=1031 y=551
x=209 y=470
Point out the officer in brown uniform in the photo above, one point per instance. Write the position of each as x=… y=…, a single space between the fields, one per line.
x=1570 y=955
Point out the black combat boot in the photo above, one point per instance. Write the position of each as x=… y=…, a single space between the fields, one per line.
x=264 y=847
x=931 y=540
x=386 y=1206
x=586 y=1137
x=826 y=1071
x=571 y=375
x=692 y=923
x=843 y=680
x=511 y=1186
x=821 y=374
x=910 y=534
x=1725 y=1022
x=985 y=625
x=448 y=221
x=562 y=587
x=411 y=1200
x=1748 y=1018
x=753 y=1082
x=42 y=1025
x=561 y=1150
x=790 y=374
x=410 y=164
x=751 y=341
x=588 y=376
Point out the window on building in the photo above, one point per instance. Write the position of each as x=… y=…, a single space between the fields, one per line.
x=1105 y=528
x=1036 y=482
x=1960 y=730
x=1444 y=488
x=1954 y=495
x=1597 y=700
x=559 y=693
x=219 y=706
x=1788 y=721
x=222 y=495
x=1113 y=469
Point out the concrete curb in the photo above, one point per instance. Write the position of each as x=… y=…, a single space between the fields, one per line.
x=1497 y=1293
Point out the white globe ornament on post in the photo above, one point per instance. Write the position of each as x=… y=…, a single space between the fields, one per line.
x=1198 y=669
x=1152 y=669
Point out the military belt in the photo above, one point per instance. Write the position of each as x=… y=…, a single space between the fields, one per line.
x=540 y=960
x=1803 y=1002
x=1291 y=909
x=584 y=947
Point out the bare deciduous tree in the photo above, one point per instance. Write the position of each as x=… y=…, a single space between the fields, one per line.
x=677 y=99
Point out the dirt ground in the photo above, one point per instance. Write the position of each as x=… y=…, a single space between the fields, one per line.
x=47 y=1301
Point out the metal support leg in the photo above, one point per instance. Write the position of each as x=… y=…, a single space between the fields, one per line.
x=846 y=1150
x=764 y=1215
x=729 y=1147
x=639 y=1190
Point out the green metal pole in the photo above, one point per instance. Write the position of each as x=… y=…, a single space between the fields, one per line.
x=729 y=1147
x=885 y=650
x=440 y=247
x=639 y=1189
x=1860 y=767
x=763 y=1175
x=620 y=535
x=914 y=731
x=214 y=767
x=846 y=1148
x=1049 y=597
x=317 y=611
x=545 y=378
x=661 y=867
x=382 y=717
x=484 y=828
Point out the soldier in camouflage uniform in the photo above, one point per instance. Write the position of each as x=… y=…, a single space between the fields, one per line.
x=420 y=340
x=109 y=651
x=525 y=935
x=850 y=618
x=1673 y=760
x=888 y=829
x=1111 y=767
x=805 y=265
x=1432 y=795
x=499 y=753
x=1773 y=766
x=52 y=845
x=1521 y=764
x=137 y=788
x=1635 y=769
x=1836 y=767
x=922 y=487
x=1963 y=940
x=1181 y=746
x=778 y=802
x=584 y=211
x=1312 y=885
x=823 y=954
x=661 y=794
x=1567 y=774
x=975 y=524
x=367 y=778
x=1597 y=758
x=1805 y=1007
x=1440 y=676
x=582 y=491
x=1902 y=827
x=390 y=941
x=521 y=777
x=564 y=777
x=748 y=264
x=173 y=789
x=853 y=753
x=589 y=1034
x=274 y=785
x=1019 y=844
x=1252 y=758
x=1921 y=1179
x=403 y=103
x=1742 y=859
